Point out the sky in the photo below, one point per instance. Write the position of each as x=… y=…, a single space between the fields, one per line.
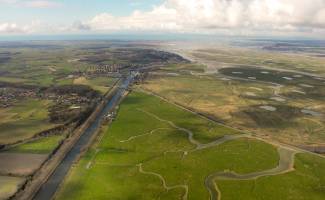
x=210 y=17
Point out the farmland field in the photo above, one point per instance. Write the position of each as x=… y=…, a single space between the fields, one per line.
x=20 y=164
x=49 y=88
x=43 y=145
x=22 y=160
x=9 y=185
x=24 y=120
x=101 y=84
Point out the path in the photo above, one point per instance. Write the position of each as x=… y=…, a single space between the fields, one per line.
x=191 y=139
x=185 y=187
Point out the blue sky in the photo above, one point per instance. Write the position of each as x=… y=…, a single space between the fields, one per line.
x=71 y=10
x=225 y=17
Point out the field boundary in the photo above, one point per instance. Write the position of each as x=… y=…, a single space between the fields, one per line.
x=91 y=142
x=210 y=118
x=35 y=182
x=191 y=110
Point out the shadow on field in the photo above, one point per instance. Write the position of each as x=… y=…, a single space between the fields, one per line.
x=315 y=93
x=283 y=117
x=131 y=100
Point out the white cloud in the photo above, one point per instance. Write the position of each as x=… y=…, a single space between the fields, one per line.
x=209 y=16
x=32 y=3
x=243 y=17
x=8 y=1
x=13 y=28
x=41 y=4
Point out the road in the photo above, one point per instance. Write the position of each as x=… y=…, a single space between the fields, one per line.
x=49 y=188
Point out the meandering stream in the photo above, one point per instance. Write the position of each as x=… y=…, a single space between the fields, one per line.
x=286 y=163
x=286 y=159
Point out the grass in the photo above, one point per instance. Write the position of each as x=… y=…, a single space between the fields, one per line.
x=12 y=80
x=242 y=156
x=101 y=84
x=40 y=146
x=274 y=76
x=207 y=131
x=237 y=103
x=25 y=119
x=109 y=170
x=244 y=56
x=8 y=186
x=306 y=182
x=204 y=93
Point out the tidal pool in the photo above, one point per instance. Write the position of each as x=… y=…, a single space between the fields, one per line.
x=279 y=99
x=287 y=78
x=268 y=108
x=311 y=112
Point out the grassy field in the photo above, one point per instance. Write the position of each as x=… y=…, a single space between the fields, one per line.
x=12 y=80
x=229 y=56
x=102 y=84
x=38 y=66
x=8 y=186
x=147 y=153
x=25 y=119
x=245 y=103
x=307 y=182
x=23 y=160
x=40 y=146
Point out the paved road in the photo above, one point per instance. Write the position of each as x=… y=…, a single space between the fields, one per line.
x=49 y=188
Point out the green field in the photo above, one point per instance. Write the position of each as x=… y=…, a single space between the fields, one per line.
x=25 y=119
x=40 y=146
x=101 y=84
x=155 y=149
x=33 y=66
x=12 y=80
x=147 y=153
x=307 y=182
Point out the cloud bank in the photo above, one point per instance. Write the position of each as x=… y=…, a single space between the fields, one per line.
x=40 y=4
x=13 y=28
x=212 y=16
x=32 y=3
x=236 y=17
